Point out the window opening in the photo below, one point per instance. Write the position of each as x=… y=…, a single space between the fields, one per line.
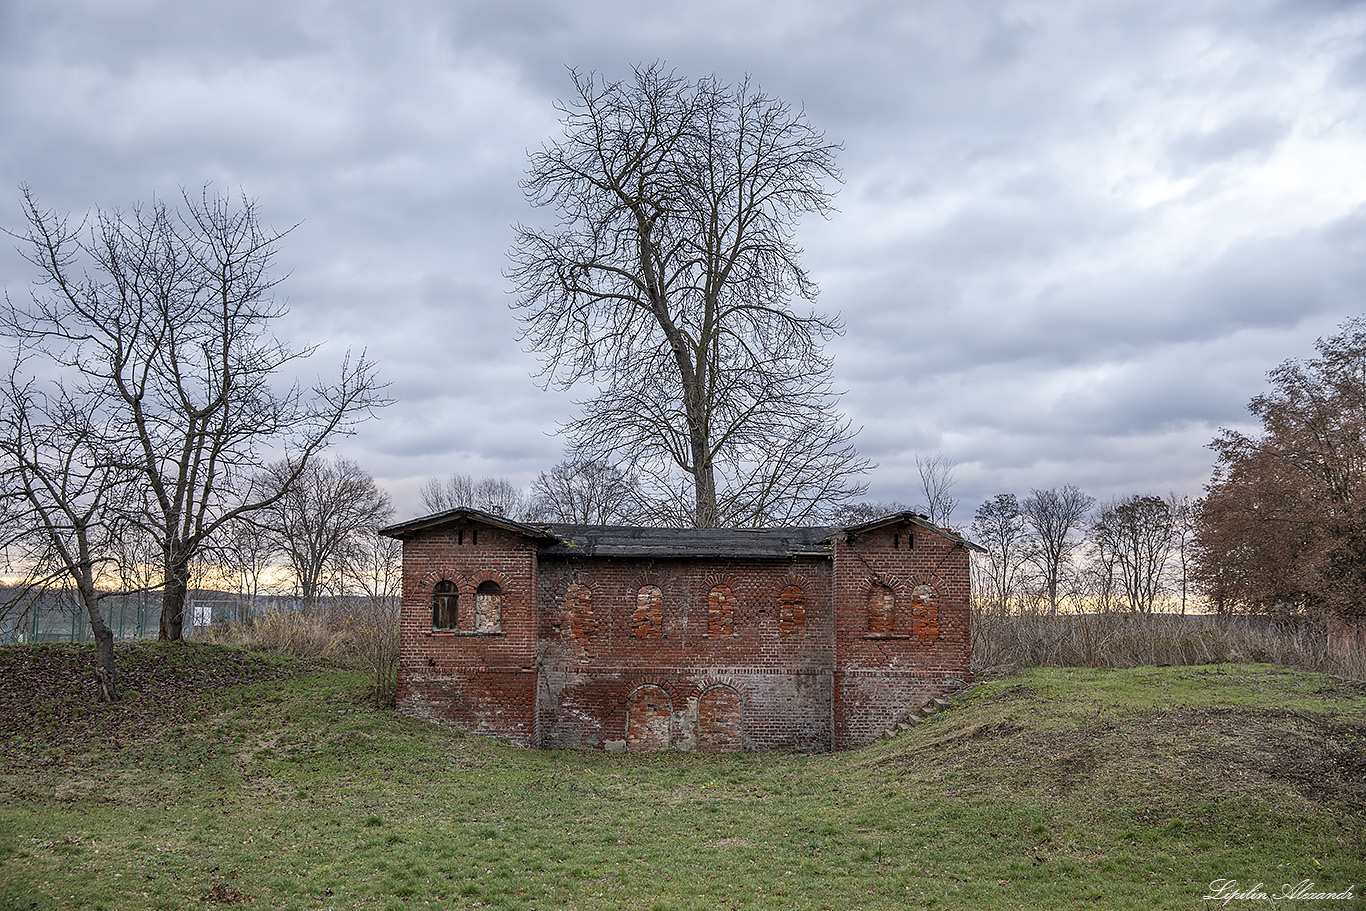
x=488 y=608
x=445 y=599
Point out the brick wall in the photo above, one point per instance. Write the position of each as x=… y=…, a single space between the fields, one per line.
x=805 y=653
x=890 y=658
x=479 y=681
x=735 y=670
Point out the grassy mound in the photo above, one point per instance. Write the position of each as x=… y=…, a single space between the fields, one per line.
x=1051 y=789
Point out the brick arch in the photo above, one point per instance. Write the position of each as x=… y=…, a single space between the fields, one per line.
x=649 y=717
x=479 y=576
x=427 y=581
x=720 y=719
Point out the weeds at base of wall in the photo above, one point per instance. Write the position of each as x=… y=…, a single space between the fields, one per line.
x=1005 y=642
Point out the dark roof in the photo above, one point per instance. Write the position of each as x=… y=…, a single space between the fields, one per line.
x=560 y=539
x=635 y=541
x=412 y=526
x=907 y=518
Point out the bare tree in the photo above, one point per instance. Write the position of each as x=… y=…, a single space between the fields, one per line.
x=938 y=477
x=999 y=526
x=667 y=284
x=440 y=495
x=1055 y=517
x=64 y=474
x=586 y=493
x=164 y=317
x=867 y=511
x=1282 y=527
x=1134 y=534
x=317 y=516
x=1183 y=532
x=496 y=495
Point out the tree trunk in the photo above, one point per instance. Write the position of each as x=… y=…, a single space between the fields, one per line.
x=106 y=679
x=173 y=596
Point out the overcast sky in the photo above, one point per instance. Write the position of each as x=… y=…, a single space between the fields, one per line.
x=1072 y=237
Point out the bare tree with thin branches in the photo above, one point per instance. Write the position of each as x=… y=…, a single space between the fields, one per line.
x=162 y=317
x=667 y=284
x=586 y=492
x=65 y=475
x=1055 y=517
x=938 y=477
x=317 y=516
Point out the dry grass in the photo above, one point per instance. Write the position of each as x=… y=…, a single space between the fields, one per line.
x=1004 y=643
x=363 y=636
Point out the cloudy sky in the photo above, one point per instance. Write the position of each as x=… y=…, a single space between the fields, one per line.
x=1072 y=237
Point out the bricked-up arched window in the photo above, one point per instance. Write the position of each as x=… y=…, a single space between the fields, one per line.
x=925 y=612
x=647 y=719
x=881 y=609
x=720 y=721
x=648 y=620
x=791 y=610
x=488 y=608
x=579 y=604
x=444 y=601
x=721 y=611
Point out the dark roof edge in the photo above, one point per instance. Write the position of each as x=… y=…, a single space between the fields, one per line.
x=899 y=518
x=469 y=513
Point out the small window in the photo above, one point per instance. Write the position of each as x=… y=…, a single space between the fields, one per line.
x=648 y=620
x=488 y=608
x=791 y=610
x=881 y=609
x=721 y=611
x=445 y=599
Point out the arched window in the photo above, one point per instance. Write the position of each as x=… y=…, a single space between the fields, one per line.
x=881 y=609
x=721 y=611
x=791 y=610
x=444 y=601
x=488 y=608
x=648 y=620
x=579 y=604
x=925 y=612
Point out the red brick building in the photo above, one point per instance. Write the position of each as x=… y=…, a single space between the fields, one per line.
x=693 y=639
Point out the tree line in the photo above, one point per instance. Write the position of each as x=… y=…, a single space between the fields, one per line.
x=1057 y=548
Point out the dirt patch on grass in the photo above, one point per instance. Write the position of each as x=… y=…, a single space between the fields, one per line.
x=1017 y=739
x=50 y=716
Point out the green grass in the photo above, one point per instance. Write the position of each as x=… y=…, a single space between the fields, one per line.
x=1057 y=788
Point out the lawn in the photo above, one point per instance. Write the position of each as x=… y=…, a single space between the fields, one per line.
x=226 y=778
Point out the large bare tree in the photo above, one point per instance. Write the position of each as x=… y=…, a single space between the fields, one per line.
x=667 y=283
x=999 y=526
x=162 y=317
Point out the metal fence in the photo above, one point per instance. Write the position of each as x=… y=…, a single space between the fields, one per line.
x=60 y=618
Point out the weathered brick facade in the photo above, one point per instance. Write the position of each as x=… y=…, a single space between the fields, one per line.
x=645 y=639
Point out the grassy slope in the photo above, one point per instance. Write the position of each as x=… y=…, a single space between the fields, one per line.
x=1052 y=789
